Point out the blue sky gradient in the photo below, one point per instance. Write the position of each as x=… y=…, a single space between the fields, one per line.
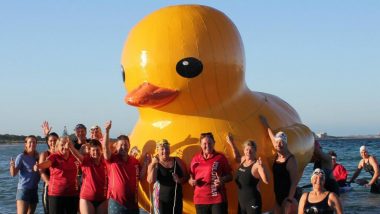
x=60 y=61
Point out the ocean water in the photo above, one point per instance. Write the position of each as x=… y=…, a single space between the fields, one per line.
x=359 y=200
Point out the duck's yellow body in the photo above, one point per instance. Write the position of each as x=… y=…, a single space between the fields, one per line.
x=184 y=68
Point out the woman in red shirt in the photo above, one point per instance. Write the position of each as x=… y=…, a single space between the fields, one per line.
x=93 y=193
x=63 y=183
x=209 y=170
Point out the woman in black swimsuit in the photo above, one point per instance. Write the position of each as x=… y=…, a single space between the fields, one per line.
x=249 y=174
x=284 y=171
x=319 y=200
x=167 y=173
x=369 y=164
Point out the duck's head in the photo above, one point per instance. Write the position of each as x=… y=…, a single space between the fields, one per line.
x=185 y=58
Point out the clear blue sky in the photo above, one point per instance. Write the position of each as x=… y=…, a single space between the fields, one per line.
x=60 y=60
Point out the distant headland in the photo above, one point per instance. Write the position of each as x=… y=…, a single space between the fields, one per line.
x=325 y=136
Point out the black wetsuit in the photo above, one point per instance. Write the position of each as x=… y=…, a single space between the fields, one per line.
x=375 y=188
x=330 y=183
x=248 y=195
x=281 y=179
x=167 y=189
x=321 y=207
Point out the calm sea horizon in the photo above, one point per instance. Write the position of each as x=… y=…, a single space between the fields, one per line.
x=359 y=200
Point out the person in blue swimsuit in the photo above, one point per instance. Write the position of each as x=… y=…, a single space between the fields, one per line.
x=369 y=164
x=250 y=172
x=318 y=200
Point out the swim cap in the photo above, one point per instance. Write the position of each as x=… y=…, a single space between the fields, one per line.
x=318 y=171
x=363 y=148
x=162 y=143
x=281 y=136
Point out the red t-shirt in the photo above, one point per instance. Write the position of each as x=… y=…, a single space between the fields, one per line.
x=339 y=172
x=94 y=180
x=63 y=175
x=204 y=172
x=123 y=179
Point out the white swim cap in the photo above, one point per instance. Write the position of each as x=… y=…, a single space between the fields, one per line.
x=281 y=136
x=363 y=148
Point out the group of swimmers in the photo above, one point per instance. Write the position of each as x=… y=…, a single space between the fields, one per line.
x=110 y=174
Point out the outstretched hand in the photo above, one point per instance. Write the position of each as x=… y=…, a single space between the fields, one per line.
x=229 y=138
x=46 y=129
x=259 y=161
x=12 y=162
x=108 y=125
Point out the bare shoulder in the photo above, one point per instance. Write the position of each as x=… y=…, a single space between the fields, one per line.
x=373 y=159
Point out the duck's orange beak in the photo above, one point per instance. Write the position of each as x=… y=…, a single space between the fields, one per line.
x=148 y=95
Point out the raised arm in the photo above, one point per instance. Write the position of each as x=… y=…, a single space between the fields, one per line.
x=152 y=170
x=235 y=151
x=13 y=170
x=265 y=123
x=75 y=152
x=106 y=146
x=146 y=160
x=46 y=129
x=262 y=171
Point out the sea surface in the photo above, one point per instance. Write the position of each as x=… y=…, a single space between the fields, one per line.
x=359 y=200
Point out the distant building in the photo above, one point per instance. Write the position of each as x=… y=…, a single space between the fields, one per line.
x=321 y=135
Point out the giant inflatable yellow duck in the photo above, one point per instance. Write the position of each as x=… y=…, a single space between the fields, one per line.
x=183 y=67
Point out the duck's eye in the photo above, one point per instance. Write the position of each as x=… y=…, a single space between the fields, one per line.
x=189 y=67
x=123 y=73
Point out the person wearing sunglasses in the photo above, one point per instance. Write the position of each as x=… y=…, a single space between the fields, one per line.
x=251 y=171
x=318 y=200
x=167 y=173
x=209 y=171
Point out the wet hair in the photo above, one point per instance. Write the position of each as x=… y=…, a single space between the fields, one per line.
x=94 y=143
x=123 y=137
x=251 y=144
x=208 y=135
x=53 y=134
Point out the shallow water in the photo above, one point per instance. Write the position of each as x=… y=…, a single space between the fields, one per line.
x=359 y=200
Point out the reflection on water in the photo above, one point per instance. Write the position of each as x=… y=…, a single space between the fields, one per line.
x=357 y=201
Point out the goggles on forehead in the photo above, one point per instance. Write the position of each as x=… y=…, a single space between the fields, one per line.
x=163 y=143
